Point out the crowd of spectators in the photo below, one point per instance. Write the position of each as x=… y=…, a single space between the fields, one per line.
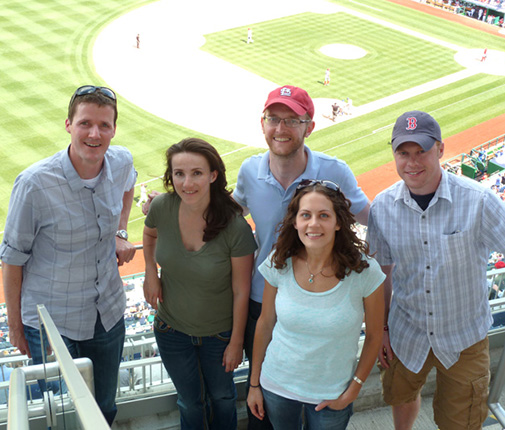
x=495 y=181
x=486 y=11
x=139 y=314
x=486 y=15
x=496 y=284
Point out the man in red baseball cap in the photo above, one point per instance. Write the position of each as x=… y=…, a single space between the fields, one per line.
x=292 y=107
x=266 y=183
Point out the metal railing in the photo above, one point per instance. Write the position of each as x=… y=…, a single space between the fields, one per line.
x=80 y=388
x=21 y=408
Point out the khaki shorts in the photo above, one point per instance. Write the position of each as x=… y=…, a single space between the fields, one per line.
x=460 y=399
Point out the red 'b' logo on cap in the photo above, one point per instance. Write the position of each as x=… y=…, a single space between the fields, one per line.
x=411 y=123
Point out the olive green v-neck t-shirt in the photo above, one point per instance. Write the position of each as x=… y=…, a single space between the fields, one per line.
x=197 y=288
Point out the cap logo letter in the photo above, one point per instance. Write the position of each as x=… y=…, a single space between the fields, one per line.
x=411 y=123
x=285 y=92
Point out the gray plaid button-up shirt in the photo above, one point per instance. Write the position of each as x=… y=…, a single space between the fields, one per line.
x=440 y=257
x=63 y=234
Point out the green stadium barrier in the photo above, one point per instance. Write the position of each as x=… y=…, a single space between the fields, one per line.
x=471 y=166
x=493 y=167
x=469 y=171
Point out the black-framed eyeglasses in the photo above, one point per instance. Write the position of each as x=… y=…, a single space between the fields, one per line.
x=311 y=182
x=273 y=121
x=90 y=89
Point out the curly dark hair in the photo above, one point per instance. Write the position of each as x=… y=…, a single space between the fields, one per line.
x=222 y=208
x=347 y=248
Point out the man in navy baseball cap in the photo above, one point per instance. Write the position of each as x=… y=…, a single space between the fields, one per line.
x=436 y=230
x=416 y=156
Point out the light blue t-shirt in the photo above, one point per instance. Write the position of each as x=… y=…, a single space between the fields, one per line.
x=314 y=346
x=267 y=201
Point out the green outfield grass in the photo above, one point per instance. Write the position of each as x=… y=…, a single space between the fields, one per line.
x=380 y=73
x=46 y=52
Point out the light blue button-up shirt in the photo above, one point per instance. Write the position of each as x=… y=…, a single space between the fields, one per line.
x=63 y=234
x=440 y=257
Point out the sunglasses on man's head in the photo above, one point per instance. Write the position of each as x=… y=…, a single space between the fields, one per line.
x=312 y=182
x=90 y=89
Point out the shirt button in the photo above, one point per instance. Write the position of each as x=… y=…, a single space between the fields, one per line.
x=426 y=242
x=431 y=313
x=431 y=333
x=428 y=291
x=97 y=283
x=98 y=262
x=427 y=267
x=423 y=216
x=98 y=216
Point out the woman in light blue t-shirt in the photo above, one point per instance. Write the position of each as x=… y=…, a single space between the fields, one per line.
x=320 y=283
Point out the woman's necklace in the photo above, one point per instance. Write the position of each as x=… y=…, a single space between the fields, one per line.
x=312 y=275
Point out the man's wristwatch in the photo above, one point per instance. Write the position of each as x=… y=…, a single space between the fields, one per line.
x=123 y=234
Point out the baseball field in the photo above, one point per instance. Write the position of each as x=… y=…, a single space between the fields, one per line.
x=194 y=75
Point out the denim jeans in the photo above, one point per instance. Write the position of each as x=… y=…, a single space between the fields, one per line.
x=33 y=337
x=252 y=318
x=286 y=414
x=104 y=350
x=206 y=394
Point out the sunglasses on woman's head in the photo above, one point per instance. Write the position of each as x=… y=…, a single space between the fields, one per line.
x=312 y=182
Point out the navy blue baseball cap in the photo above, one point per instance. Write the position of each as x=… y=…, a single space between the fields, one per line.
x=418 y=127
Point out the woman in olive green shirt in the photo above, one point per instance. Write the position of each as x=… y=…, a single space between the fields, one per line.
x=198 y=236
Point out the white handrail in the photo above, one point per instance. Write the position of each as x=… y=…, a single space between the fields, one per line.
x=17 y=418
x=87 y=409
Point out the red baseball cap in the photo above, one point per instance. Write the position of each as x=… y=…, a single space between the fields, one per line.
x=295 y=98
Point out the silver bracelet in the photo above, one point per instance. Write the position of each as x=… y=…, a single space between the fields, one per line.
x=359 y=381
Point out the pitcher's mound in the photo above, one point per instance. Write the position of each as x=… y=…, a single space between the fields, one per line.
x=343 y=51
